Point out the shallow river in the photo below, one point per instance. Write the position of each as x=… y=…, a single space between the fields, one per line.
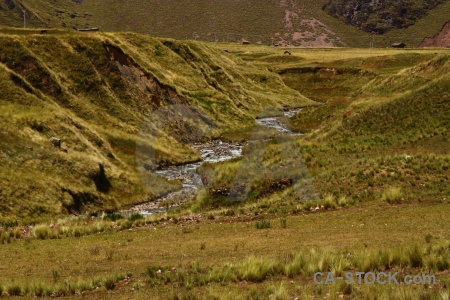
x=214 y=151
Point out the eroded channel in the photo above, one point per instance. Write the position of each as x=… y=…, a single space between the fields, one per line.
x=214 y=151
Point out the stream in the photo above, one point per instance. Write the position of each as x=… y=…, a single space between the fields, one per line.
x=214 y=151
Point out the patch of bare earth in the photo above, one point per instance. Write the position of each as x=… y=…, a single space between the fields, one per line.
x=441 y=39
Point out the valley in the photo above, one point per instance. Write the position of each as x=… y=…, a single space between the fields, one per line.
x=193 y=170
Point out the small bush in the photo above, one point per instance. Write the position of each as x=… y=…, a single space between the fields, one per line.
x=442 y=264
x=135 y=217
x=254 y=269
x=329 y=202
x=113 y=217
x=262 y=224
x=110 y=282
x=17 y=233
x=125 y=224
x=14 y=289
x=279 y=293
x=393 y=195
x=343 y=201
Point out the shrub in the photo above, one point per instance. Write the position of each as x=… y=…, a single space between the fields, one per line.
x=442 y=264
x=135 y=217
x=39 y=290
x=295 y=267
x=14 y=289
x=343 y=201
x=42 y=232
x=329 y=202
x=254 y=269
x=110 y=282
x=113 y=217
x=279 y=293
x=392 y=195
x=125 y=224
x=17 y=233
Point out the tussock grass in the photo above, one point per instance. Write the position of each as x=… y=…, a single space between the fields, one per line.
x=392 y=195
x=300 y=265
x=68 y=288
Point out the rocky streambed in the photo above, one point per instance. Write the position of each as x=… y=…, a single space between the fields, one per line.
x=214 y=151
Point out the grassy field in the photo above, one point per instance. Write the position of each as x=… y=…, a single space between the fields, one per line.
x=203 y=256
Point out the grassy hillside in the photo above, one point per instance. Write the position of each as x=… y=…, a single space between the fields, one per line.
x=302 y=23
x=117 y=102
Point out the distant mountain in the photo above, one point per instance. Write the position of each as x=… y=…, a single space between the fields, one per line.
x=322 y=23
x=380 y=16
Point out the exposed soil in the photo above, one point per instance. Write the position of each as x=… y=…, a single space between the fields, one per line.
x=441 y=39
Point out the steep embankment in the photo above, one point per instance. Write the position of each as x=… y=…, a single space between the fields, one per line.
x=441 y=39
x=102 y=95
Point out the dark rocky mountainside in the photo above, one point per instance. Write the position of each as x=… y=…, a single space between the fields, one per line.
x=380 y=16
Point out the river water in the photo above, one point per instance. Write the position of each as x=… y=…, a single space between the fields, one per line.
x=214 y=151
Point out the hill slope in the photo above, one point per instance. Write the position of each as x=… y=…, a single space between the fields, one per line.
x=96 y=93
x=293 y=22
